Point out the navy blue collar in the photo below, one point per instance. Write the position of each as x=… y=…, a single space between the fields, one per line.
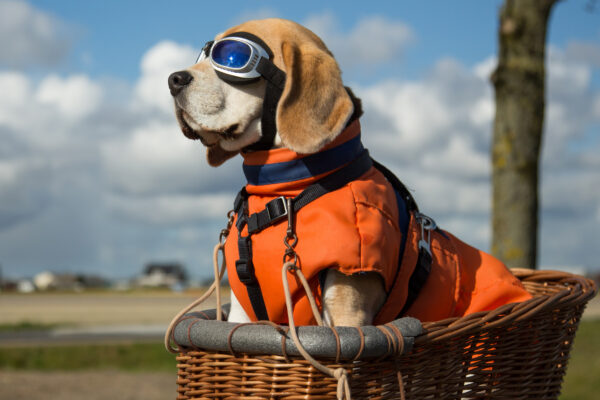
x=305 y=167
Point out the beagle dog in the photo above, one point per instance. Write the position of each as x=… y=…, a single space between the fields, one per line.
x=271 y=91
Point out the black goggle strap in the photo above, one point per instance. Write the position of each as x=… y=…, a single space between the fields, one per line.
x=268 y=124
x=252 y=38
x=207 y=47
x=271 y=73
x=275 y=83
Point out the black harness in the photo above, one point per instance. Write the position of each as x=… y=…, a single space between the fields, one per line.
x=280 y=208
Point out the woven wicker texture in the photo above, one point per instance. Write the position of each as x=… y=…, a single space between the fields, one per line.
x=518 y=351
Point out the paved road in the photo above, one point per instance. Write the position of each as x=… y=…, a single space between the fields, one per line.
x=91 y=317
x=89 y=309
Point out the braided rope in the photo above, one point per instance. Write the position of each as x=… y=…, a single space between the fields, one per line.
x=220 y=247
x=343 y=387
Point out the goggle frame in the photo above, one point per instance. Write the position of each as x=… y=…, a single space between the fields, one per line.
x=248 y=70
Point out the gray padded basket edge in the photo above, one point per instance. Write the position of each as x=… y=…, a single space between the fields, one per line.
x=201 y=330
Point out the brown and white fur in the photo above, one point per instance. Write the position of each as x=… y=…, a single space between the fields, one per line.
x=312 y=111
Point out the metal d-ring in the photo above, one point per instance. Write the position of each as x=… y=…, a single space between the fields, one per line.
x=291 y=239
x=225 y=231
x=427 y=224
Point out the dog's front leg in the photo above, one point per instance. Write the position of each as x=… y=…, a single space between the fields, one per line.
x=352 y=300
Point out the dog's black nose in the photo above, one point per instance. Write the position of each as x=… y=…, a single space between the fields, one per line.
x=178 y=80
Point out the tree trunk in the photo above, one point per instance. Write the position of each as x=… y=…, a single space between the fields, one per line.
x=519 y=86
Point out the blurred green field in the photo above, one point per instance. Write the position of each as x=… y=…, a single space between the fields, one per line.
x=127 y=357
x=581 y=383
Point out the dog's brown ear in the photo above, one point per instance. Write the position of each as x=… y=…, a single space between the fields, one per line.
x=217 y=156
x=314 y=106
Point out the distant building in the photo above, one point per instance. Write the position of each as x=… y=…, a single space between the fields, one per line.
x=25 y=286
x=45 y=280
x=65 y=281
x=163 y=275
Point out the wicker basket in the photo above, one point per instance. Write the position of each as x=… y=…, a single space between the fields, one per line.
x=517 y=351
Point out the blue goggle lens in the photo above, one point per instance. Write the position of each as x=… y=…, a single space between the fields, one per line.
x=231 y=53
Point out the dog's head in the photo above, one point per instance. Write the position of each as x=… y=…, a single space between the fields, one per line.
x=313 y=109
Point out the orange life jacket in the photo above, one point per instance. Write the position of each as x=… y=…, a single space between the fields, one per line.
x=356 y=229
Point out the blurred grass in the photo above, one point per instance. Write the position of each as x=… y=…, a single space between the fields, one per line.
x=129 y=357
x=582 y=381
x=23 y=326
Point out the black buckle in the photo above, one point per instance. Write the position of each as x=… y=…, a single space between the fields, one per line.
x=276 y=209
x=245 y=272
x=241 y=220
x=240 y=198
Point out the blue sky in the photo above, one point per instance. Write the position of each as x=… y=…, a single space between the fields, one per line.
x=95 y=175
x=109 y=37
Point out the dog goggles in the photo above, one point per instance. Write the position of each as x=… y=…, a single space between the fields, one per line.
x=235 y=57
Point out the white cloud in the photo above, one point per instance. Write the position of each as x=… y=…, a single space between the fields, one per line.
x=30 y=36
x=571 y=112
x=373 y=40
x=484 y=69
x=43 y=115
x=403 y=104
x=448 y=111
x=156 y=158
x=596 y=108
x=15 y=93
x=567 y=75
x=174 y=209
x=15 y=88
x=74 y=97
x=459 y=158
x=584 y=52
x=23 y=194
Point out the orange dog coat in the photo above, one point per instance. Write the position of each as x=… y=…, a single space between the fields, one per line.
x=356 y=229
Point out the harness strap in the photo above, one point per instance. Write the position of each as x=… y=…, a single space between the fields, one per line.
x=417 y=279
x=423 y=268
x=411 y=204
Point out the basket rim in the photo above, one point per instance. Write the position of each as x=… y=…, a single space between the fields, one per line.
x=561 y=290
x=201 y=330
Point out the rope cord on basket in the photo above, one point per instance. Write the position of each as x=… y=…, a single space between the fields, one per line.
x=343 y=387
x=278 y=328
x=219 y=247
